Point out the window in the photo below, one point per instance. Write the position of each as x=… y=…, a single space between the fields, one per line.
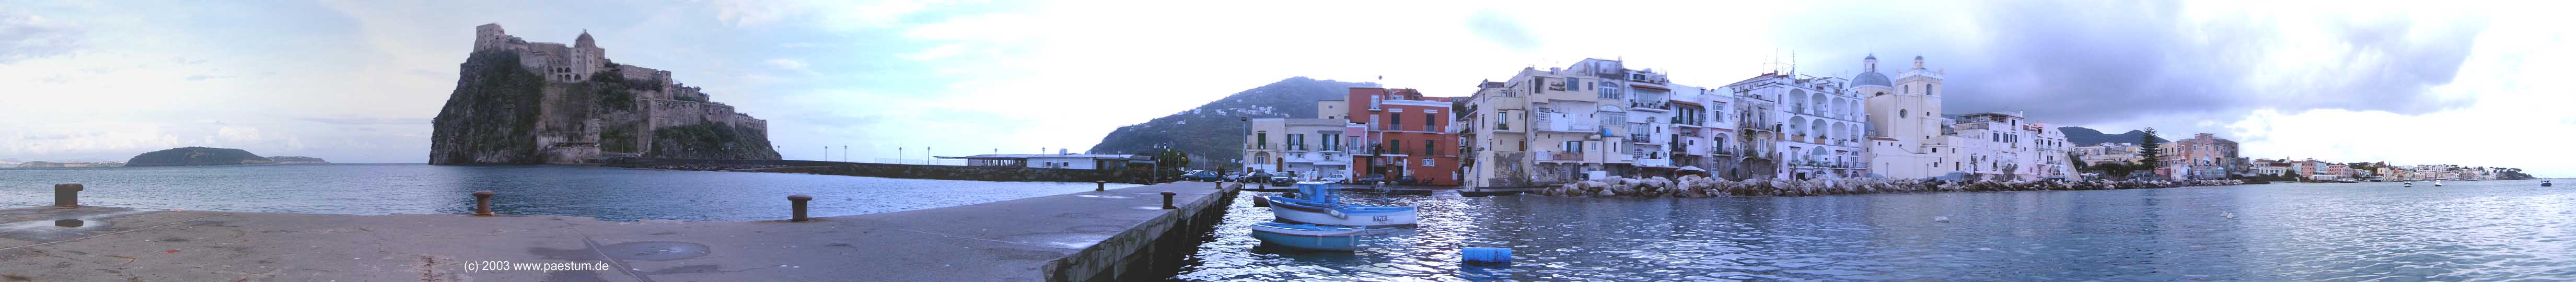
x=1430 y=121
x=1395 y=147
x=1429 y=149
x=1900 y=113
x=1296 y=142
x=1927 y=89
x=1396 y=120
x=1574 y=146
x=1261 y=140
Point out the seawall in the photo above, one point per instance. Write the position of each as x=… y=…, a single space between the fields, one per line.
x=1114 y=235
x=947 y=172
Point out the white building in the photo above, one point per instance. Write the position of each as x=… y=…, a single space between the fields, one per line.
x=1910 y=139
x=1815 y=126
x=1310 y=147
x=1059 y=161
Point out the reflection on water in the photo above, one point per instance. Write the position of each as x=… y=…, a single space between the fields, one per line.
x=2485 y=230
x=606 y=193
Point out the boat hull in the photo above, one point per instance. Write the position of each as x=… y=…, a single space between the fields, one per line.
x=1310 y=237
x=1292 y=210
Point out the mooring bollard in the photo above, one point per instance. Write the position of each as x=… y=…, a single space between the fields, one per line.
x=67 y=195
x=1167 y=200
x=483 y=203
x=1103 y=185
x=797 y=202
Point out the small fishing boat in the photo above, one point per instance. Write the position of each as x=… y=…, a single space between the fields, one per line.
x=1316 y=203
x=2437 y=183
x=2544 y=183
x=1309 y=236
x=1293 y=210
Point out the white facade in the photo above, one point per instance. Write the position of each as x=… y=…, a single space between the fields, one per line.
x=1312 y=148
x=1815 y=123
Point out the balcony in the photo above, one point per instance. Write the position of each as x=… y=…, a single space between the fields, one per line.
x=1652 y=106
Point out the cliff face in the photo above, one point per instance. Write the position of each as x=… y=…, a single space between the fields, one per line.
x=195 y=156
x=518 y=102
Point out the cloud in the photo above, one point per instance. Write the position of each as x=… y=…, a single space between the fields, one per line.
x=207 y=76
x=1493 y=26
x=788 y=64
x=2109 y=61
x=26 y=35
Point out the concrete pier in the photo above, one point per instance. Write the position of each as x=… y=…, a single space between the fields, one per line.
x=1119 y=234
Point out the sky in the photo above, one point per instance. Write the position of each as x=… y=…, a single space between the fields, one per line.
x=2466 y=82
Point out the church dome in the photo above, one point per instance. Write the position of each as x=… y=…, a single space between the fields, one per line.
x=1871 y=78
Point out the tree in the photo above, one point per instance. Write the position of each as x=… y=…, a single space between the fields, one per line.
x=2149 y=150
x=1171 y=158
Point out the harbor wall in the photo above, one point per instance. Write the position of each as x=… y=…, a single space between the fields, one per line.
x=1150 y=251
x=947 y=172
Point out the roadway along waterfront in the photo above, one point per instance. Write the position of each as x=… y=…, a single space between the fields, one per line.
x=1081 y=236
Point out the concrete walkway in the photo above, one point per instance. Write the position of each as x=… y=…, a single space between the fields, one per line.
x=1034 y=239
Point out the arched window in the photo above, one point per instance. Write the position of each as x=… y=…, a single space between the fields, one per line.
x=1900 y=113
x=1928 y=89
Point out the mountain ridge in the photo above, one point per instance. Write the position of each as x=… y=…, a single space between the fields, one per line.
x=1190 y=130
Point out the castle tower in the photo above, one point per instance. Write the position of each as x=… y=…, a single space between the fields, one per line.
x=489 y=36
x=587 y=57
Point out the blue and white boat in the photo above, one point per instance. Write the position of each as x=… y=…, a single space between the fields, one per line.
x=1309 y=236
x=1317 y=204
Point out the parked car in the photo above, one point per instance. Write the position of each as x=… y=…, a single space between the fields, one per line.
x=1201 y=175
x=1235 y=176
x=1283 y=179
x=1371 y=179
x=1255 y=177
x=1407 y=180
x=1335 y=179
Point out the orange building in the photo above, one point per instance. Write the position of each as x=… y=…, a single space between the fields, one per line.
x=1406 y=135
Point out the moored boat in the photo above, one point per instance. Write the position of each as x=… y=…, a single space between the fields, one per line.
x=1293 y=210
x=1308 y=236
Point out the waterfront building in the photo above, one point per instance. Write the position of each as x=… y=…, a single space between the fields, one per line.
x=1058 y=161
x=1311 y=147
x=1814 y=126
x=1595 y=118
x=1407 y=135
x=2106 y=153
x=2202 y=157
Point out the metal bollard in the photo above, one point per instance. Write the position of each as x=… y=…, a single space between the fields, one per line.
x=1103 y=185
x=67 y=195
x=797 y=202
x=483 y=203
x=1167 y=200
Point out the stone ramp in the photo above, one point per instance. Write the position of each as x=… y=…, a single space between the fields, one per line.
x=1071 y=237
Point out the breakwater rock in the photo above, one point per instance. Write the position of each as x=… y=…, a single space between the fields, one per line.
x=1703 y=187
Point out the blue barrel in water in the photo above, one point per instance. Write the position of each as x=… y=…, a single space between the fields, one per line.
x=1485 y=255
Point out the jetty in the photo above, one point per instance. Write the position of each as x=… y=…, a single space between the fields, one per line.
x=1111 y=235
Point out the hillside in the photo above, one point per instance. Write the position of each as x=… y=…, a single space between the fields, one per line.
x=2089 y=137
x=1211 y=132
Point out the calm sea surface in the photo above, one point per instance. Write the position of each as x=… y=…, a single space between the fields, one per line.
x=605 y=193
x=2469 y=231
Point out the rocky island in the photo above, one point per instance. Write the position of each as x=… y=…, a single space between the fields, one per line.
x=520 y=102
x=196 y=156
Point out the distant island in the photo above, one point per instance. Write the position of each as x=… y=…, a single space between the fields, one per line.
x=196 y=156
x=296 y=160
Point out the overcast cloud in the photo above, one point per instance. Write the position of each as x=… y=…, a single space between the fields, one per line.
x=357 y=81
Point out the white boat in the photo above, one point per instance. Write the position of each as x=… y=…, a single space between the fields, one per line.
x=1293 y=210
x=2437 y=183
x=1319 y=203
x=1308 y=236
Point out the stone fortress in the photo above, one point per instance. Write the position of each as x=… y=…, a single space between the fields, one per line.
x=589 y=108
